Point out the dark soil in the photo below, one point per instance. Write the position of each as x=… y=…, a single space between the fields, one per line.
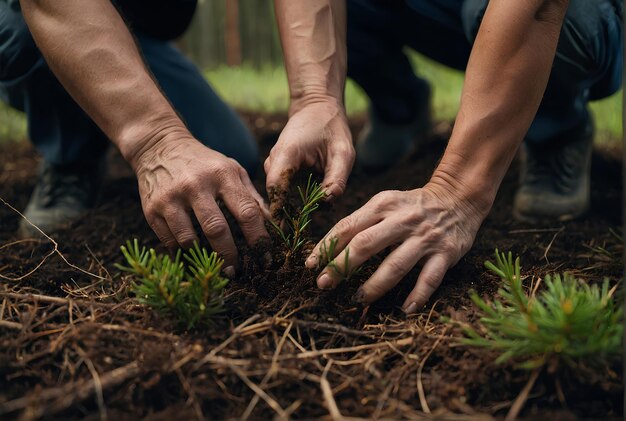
x=77 y=346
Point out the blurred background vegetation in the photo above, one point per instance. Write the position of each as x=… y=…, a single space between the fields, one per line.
x=236 y=43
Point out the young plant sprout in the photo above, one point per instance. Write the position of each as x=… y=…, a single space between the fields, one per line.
x=293 y=236
x=327 y=251
x=567 y=321
x=192 y=293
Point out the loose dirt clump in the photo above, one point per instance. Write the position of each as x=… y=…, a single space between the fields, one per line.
x=75 y=344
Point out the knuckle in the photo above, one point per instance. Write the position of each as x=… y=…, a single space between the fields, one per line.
x=344 y=226
x=376 y=289
x=188 y=185
x=363 y=242
x=397 y=268
x=214 y=226
x=249 y=212
x=382 y=199
x=225 y=170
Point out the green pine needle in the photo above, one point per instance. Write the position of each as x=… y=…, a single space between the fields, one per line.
x=293 y=236
x=568 y=320
x=192 y=293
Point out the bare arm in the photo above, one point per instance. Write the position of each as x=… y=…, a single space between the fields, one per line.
x=313 y=36
x=91 y=51
x=506 y=77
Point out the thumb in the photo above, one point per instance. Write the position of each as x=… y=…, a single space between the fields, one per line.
x=279 y=174
x=337 y=172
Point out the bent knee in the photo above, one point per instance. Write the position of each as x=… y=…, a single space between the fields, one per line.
x=18 y=52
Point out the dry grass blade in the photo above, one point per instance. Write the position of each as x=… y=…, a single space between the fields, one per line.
x=54 y=400
x=280 y=412
x=523 y=396
x=55 y=250
x=329 y=398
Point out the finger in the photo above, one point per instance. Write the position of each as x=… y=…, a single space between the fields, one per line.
x=267 y=164
x=363 y=245
x=245 y=179
x=344 y=231
x=180 y=226
x=279 y=176
x=216 y=230
x=427 y=283
x=337 y=172
x=390 y=272
x=247 y=212
x=162 y=231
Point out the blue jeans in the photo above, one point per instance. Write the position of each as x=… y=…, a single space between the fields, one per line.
x=588 y=63
x=65 y=135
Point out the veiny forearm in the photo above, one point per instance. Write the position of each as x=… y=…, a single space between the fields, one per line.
x=313 y=36
x=506 y=77
x=91 y=51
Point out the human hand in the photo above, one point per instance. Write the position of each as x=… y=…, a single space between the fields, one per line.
x=429 y=225
x=316 y=135
x=181 y=176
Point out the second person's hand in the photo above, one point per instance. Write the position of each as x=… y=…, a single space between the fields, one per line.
x=316 y=135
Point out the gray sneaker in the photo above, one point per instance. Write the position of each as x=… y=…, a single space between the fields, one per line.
x=381 y=145
x=61 y=196
x=555 y=177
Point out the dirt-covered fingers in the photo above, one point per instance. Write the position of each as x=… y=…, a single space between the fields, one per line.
x=180 y=225
x=216 y=230
x=162 y=231
x=279 y=169
x=361 y=247
x=246 y=210
x=428 y=281
x=339 y=164
x=341 y=234
x=245 y=179
x=391 y=271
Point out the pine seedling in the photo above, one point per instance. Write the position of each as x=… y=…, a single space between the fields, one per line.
x=327 y=253
x=293 y=236
x=191 y=293
x=568 y=321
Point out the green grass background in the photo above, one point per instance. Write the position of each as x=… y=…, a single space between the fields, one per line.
x=265 y=90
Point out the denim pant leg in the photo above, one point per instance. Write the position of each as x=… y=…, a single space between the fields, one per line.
x=65 y=135
x=588 y=63
x=208 y=118
x=57 y=126
x=377 y=33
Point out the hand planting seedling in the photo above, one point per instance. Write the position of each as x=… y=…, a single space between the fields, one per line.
x=327 y=250
x=192 y=293
x=293 y=236
x=568 y=321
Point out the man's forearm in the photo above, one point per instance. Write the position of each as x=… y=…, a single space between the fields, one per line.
x=91 y=51
x=506 y=77
x=313 y=36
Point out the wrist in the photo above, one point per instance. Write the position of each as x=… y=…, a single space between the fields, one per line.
x=315 y=97
x=470 y=184
x=137 y=142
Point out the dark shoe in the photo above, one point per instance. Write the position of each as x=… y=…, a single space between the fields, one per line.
x=61 y=196
x=555 y=177
x=381 y=145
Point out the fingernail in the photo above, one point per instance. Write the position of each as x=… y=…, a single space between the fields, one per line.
x=329 y=197
x=359 y=297
x=324 y=282
x=229 y=271
x=311 y=261
x=411 y=308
